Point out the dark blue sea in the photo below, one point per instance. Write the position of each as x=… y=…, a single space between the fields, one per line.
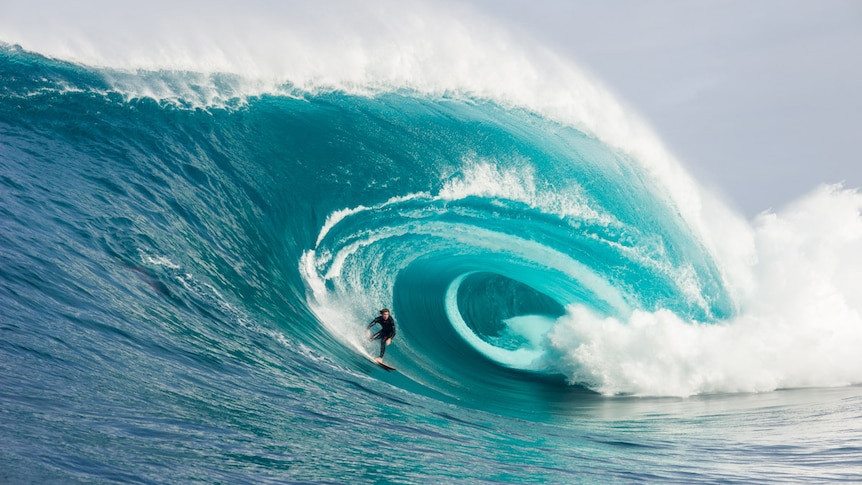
x=186 y=280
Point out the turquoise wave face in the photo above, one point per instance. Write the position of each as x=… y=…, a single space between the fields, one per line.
x=479 y=225
x=186 y=273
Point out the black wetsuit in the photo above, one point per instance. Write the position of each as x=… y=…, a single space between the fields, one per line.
x=386 y=332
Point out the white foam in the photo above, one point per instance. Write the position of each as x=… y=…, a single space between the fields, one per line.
x=157 y=260
x=485 y=178
x=800 y=323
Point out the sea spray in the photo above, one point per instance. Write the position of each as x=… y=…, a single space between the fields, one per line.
x=799 y=326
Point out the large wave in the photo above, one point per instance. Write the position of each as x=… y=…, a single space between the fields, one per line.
x=522 y=223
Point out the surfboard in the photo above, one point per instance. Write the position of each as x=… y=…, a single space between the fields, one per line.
x=381 y=364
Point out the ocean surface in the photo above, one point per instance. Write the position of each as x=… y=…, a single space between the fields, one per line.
x=187 y=269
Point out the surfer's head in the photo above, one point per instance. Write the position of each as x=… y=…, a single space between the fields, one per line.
x=384 y=311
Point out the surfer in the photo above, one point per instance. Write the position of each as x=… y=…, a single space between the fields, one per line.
x=386 y=332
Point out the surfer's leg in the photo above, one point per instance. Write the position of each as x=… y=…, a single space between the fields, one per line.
x=382 y=347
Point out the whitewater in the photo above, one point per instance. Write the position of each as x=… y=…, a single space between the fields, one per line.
x=201 y=213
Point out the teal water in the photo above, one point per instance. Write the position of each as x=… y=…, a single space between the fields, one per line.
x=185 y=291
